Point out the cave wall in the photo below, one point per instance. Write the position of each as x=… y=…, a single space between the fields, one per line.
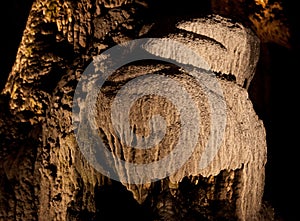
x=31 y=138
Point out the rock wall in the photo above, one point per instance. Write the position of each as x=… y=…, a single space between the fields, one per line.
x=44 y=175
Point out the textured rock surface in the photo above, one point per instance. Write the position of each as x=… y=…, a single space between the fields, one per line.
x=241 y=47
x=43 y=174
x=243 y=148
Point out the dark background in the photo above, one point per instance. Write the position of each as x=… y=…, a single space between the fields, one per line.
x=274 y=92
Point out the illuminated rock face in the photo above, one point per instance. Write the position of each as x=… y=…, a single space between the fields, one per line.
x=44 y=174
x=230 y=49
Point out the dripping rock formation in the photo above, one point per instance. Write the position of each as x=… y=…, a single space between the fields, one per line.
x=45 y=175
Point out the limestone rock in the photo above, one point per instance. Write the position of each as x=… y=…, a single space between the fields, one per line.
x=44 y=175
x=231 y=48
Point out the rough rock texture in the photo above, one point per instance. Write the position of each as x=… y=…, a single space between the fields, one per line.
x=240 y=47
x=243 y=150
x=44 y=175
x=36 y=132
